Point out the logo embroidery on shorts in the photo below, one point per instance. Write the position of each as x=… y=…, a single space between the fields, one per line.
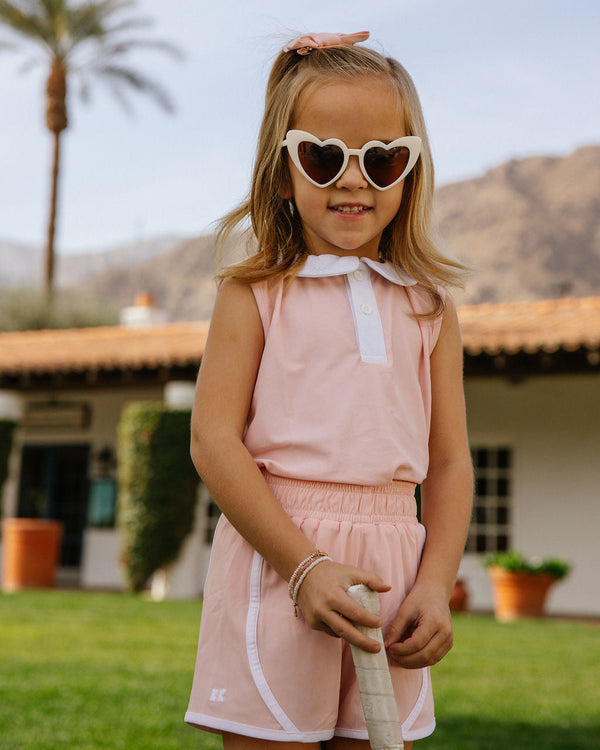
x=217 y=695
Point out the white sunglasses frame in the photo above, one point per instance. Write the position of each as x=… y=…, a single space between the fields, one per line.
x=293 y=138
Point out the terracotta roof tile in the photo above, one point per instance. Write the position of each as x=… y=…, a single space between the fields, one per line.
x=110 y=348
x=530 y=327
x=547 y=326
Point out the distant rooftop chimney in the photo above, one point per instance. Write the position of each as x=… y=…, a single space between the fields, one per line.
x=143 y=313
x=144 y=299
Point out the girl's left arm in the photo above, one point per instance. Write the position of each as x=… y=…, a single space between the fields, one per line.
x=421 y=633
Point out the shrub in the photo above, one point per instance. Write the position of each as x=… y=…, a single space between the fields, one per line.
x=157 y=488
x=28 y=310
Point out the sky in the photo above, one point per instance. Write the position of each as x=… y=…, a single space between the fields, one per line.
x=498 y=79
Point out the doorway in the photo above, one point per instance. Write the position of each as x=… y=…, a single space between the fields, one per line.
x=54 y=484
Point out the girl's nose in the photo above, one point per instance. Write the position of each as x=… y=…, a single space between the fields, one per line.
x=352 y=178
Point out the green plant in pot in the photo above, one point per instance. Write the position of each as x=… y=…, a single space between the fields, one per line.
x=520 y=584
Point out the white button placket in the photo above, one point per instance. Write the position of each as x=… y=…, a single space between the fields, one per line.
x=367 y=323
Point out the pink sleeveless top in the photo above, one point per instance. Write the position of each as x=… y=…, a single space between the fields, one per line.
x=343 y=391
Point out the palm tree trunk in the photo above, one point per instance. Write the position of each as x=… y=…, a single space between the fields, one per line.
x=49 y=257
x=56 y=121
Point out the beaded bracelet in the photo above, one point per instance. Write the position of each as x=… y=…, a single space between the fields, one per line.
x=303 y=576
x=300 y=569
x=301 y=572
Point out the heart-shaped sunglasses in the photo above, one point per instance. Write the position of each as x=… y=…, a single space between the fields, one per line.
x=323 y=162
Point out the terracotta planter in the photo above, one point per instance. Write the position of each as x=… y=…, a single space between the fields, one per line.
x=459 y=601
x=30 y=552
x=519 y=594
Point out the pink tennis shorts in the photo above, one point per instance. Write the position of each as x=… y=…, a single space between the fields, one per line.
x=260 y=671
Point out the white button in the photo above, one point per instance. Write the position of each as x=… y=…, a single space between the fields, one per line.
x=358 y=275
x=366 y=309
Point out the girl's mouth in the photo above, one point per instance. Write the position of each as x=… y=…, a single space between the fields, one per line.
x=350 y=208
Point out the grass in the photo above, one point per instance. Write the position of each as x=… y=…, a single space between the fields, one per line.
x=528 y=684
x=92 y=671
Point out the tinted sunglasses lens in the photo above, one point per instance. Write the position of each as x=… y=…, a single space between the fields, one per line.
x=384 y=166
x=321 y=163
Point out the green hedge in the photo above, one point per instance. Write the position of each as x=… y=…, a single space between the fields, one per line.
x=7 y=428
x=157 y=488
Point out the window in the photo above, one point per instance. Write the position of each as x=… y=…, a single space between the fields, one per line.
x=102 y=503
x=491 y=520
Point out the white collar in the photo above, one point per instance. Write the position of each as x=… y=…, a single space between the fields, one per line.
x=340 y=265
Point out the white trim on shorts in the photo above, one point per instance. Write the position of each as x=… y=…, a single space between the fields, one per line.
x=252 y=649
x=248 y=730
x=358 y=734
x=409 y=736
x=289 y=731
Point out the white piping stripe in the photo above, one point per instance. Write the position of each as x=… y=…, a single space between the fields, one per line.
x=252 y=648
x=413 y=715
x=247 y=730
x=407 y=731
x=367 y=322
x=425 y=673
x=416 y=734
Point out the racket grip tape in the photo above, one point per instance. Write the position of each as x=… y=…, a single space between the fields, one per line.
x=375 y=681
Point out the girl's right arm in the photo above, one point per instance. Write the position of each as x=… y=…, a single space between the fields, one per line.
x=223 y=396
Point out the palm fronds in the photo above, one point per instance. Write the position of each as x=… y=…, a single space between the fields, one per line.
x=84 y=39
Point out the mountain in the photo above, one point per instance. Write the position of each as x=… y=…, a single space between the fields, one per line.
x=76 y=266
x=18 y=261
x=529 y=229
x=21 y=263
x=180 y=280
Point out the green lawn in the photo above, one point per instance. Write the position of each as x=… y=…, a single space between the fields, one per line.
x=91 y=671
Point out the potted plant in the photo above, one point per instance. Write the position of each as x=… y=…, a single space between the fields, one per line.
x=521 y=585
x=459 y=601
x=30 y=546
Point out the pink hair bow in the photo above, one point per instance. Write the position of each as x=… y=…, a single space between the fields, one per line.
x=305 y=44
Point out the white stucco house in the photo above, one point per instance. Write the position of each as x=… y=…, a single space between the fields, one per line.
x=532 y=381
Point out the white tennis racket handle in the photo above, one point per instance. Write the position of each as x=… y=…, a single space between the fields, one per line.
x=375 y=682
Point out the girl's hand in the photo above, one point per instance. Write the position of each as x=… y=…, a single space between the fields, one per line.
x=421 y=633
x=326 y=606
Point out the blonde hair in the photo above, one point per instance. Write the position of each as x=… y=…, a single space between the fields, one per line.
x=408 y=242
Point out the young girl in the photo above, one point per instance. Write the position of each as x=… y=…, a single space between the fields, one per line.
x=330 y=387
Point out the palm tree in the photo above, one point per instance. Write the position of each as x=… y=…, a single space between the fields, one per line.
x=80 y=40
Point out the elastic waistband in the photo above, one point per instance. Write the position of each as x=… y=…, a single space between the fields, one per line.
x=388 y=503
